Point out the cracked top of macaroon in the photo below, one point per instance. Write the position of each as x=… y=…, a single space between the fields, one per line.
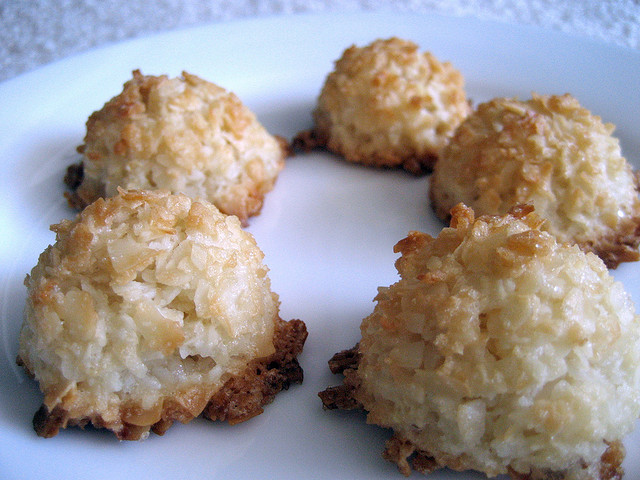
x=147 y=301
x=388 y=105
x=185 y=135
x=552 y=153
x=501 y=350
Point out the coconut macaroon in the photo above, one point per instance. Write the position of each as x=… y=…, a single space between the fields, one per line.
x=185 y=135
x=554 y=154
x=388 y=105
x=499 y=350
x=152 y=307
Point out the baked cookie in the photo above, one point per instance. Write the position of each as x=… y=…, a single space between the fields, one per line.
x=388 y=105
x=151 y=307
x=185 y=135
x=554 y=154
x=499 y=350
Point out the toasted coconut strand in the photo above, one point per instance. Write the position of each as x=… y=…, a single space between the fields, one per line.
x=398 y=451
x=307 y=140
x=48 y=424
x=243 y=396
x=73 y=179
x=341 y=397
x=420 y=165
x=73 y=176
x=611 y=462
x=617 y=249
x=285 y=146
x=346 y=359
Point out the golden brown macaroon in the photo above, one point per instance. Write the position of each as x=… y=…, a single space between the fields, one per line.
x=499 y=350
x=185 y=135
x=151 y=307
x=388 y=105
x=554 y=154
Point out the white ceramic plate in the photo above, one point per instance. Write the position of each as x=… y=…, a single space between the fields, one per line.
x=327 y=230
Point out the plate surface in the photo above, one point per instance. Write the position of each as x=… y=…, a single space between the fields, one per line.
x=327 y=230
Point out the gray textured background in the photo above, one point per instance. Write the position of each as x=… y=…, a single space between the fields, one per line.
x=36 y=32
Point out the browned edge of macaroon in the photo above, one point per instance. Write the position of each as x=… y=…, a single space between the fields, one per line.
x=308 y=140
x=312 y=139
x=609 y=467
x=619 y=248
x=407 y=457
x=241 y=397
x=622 y=246
x=341 y=397
x=72 y=179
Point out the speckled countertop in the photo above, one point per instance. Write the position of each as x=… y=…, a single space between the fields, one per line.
x=37 y=32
